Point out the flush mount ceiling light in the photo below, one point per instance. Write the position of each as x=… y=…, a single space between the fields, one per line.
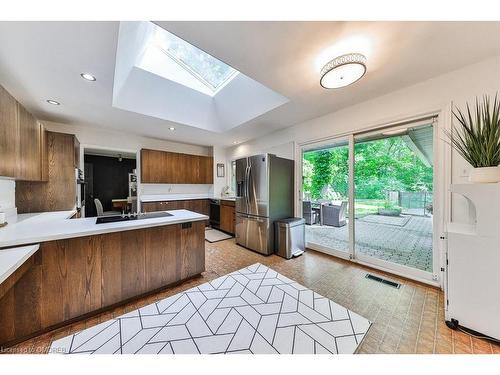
x=343 y=70
x=53 y=102
x=88 y=76
x=171 y=128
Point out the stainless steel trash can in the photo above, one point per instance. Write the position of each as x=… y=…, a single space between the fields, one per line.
x=289 y=236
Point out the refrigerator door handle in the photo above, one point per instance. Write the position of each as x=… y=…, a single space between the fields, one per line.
x=259 y=220
x=247 y=184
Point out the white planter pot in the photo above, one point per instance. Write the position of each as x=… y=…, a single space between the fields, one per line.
x=485 y=175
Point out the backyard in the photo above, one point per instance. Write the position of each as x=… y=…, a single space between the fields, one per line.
x=393 y=199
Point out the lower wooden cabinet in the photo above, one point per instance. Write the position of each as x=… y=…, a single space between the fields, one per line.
x=68 y=279
x=201 y=206
x=227 y=217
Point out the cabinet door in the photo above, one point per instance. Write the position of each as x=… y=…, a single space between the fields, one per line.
x=29 y=162
x=152 y=165
x=9 y=134
x=227 y=218
x=206 y=173
x=44 y=153
x=162 y=167
x=77 y=153
x=191 y=251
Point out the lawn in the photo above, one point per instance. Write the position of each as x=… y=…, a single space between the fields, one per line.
x=365 y=207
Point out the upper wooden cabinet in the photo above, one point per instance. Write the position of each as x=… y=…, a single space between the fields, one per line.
x=22 y=142
x=58 y=193
x=29 y=157
x=44 y=151
x=162 y=167
x=9 y=134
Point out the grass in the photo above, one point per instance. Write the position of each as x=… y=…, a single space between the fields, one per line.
x=365 y=207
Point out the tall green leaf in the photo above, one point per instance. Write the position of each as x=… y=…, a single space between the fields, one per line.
x=477 y=136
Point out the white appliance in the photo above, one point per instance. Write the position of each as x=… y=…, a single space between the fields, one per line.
x=473 y=263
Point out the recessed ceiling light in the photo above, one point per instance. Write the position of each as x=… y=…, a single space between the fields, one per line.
x=88 y=76
x=53 y=102
x=171 y=128
x=343 y=70
x=236 y=142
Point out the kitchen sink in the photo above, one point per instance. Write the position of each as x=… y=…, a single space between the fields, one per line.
x=139 y=216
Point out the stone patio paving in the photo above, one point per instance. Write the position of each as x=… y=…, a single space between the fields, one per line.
x=407 y=241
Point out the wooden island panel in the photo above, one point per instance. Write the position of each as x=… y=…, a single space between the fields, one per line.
x=74 y=278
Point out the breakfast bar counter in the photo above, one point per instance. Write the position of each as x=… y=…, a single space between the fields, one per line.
x=82 y=268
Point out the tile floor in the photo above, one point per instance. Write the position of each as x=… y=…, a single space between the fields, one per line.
x=406 y=320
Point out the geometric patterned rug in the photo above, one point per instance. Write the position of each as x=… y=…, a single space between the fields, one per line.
x=254 y=310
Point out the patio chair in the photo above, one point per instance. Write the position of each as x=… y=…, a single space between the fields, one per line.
x=334 y=215
x=310 y=214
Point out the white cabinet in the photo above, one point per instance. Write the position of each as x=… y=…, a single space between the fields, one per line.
x=473 y=269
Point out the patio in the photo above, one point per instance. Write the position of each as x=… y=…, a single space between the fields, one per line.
x=406 y=241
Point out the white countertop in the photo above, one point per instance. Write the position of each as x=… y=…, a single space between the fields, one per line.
x=180 y=197
x=12 y=259
x=49 y=226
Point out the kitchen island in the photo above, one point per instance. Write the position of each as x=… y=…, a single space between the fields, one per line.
x=83 y=268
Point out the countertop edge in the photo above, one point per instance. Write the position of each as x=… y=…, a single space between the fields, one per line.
x=20 y=261
x=149 y=198
x=97 y=231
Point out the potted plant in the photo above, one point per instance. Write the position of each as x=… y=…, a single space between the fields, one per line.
x=477 y=139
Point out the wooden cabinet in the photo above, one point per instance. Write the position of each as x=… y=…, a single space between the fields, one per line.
x=71 y=278
x=22 y=142
x=59 y=192
x=227 y=216
x=9 y=134
x=201 y=206
x=76 y=148
x=163 y=167
x=29 y=156
x=44 y=151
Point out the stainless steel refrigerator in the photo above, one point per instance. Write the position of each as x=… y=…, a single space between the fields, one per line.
x=264 y=194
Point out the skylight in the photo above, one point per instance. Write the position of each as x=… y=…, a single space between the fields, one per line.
x=210 y=71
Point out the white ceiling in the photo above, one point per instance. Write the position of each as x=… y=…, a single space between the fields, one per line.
x=149 y=82
x=43 y=60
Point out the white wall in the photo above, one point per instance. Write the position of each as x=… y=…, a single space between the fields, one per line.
x=433 y=95
x=7 y=196
x=424 y=97
x=112 y=139
x=436 y=95
x=219 y=154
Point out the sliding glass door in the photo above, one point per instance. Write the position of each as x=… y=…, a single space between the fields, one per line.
x=325 y=197
x=387 y=176
x=393 y=176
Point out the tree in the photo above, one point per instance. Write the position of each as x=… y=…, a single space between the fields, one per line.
x=322 y=166
x=307 y=176
x=380 y=165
